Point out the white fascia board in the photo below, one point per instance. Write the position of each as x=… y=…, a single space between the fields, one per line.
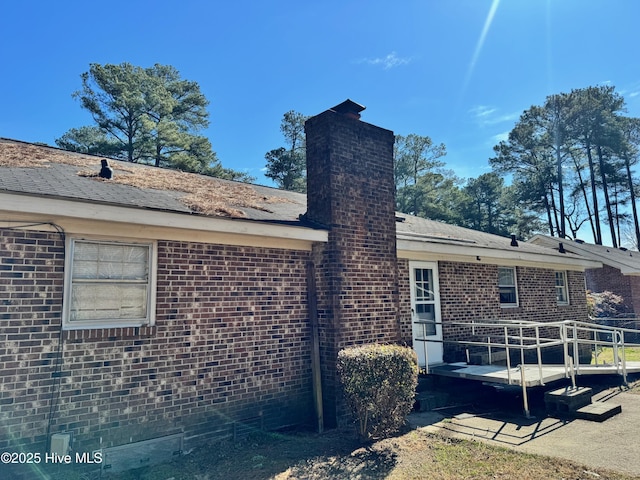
x=115 y=220
x=416 y=250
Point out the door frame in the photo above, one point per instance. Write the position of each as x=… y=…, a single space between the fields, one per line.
x=429 y=352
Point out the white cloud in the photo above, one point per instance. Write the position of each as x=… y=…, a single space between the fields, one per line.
x=487 y=115
x=482 y=111
x=507 y=117
x=630 y=91
x=387 y=62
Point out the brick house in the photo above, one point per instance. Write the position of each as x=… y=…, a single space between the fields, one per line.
x=619 y=273
x=162 y=303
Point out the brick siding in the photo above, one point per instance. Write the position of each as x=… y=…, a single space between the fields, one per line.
x=31 y=286
x=231 y=342
x=470 y=292
x=351 y=191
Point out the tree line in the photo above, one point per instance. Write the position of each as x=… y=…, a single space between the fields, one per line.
x=571 y=161
x=424 y=186
x=146 y=115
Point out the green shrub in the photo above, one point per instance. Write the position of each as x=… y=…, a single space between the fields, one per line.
x=379 y=384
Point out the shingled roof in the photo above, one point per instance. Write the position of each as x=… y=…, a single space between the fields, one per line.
x=627 y=261
x=47 y=172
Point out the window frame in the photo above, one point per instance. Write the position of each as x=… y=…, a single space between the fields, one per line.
x=564 y=287
x=105 y=323
x=428 y=299
x=514 y=287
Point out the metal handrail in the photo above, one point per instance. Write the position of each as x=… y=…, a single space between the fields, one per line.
x=570 y=332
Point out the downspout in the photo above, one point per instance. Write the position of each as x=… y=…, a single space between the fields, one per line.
x=316 y=373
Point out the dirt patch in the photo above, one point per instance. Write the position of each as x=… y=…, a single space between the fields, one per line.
x=337 y=455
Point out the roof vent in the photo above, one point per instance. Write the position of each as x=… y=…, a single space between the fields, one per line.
x=106 y=171
x=577 y=240
x=514 y=242
x=349 y=108
x=624 y=249
x=561 y=248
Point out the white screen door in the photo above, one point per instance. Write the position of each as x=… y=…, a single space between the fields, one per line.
x=425 y=313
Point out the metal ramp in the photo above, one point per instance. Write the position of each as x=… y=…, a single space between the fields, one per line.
x=533 y=376
x=501 y=375
x=528 y=342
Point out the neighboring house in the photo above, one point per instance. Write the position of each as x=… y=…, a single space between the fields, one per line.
x=161 y=302
x=619 y=274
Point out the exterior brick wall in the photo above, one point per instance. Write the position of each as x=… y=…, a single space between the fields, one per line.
x=470 y=292
x=232 y=337
x=231 y=343
x=351 y=191
x=31 y=286
x=404 y=302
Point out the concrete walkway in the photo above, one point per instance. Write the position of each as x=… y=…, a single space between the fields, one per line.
x=613 y=444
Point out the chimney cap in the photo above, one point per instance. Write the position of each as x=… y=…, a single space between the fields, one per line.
x=348 y=107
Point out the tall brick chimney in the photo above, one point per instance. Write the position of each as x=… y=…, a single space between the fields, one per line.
x=351 y=191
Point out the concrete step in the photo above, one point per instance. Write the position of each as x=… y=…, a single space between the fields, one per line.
x=426 y=401
x=567 y=400
x=598 y=411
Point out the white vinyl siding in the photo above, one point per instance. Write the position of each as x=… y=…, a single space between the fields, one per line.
x=109 y=284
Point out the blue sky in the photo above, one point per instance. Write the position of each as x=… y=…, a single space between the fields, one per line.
x=459 y=71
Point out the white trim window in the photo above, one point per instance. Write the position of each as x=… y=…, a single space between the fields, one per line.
x=109 y=284
x=562 y=290
x=507 y=286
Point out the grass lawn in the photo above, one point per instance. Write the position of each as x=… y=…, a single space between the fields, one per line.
x=605 y=354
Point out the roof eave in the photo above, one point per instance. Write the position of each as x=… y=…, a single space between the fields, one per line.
x=412 y=249
x=14 y=205
x=579 y=250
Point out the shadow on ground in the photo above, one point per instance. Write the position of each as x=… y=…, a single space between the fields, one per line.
x=497 y=417
x=497 y=413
